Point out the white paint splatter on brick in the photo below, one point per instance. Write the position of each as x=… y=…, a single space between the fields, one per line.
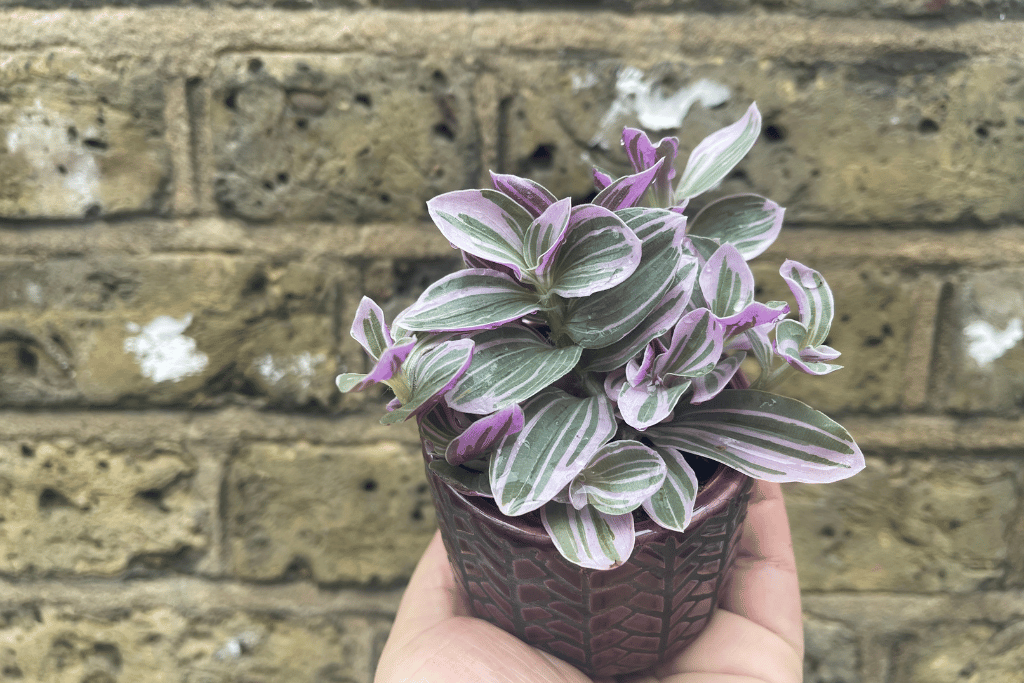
x=163 y=351
x=65 y=175
x=986 y=343
x=303 y=366
x=654 y=108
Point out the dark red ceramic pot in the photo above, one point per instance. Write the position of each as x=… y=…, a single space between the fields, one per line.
x=604 y=622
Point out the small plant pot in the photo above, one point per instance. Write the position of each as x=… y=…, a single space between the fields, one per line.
x=605 y=622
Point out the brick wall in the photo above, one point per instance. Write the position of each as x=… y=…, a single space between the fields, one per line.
x=194 y=196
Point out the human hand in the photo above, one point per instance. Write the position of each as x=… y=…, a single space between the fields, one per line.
x=755 y=635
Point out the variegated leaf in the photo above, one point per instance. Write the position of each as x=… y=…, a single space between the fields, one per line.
x=710 y=385
x=387 y=366
x=545 y=235
x=369 y=328
x=510 y=365
x=598 y=252
x=428 y=373
x=529 y=194
x=717 y=154
x=765 y=436
x=606 y=317
x=696 y=346
x=813 y=300
x=622 y=475
x=748 y=222
x=643 y=154
x=461 y=479
x=703 y=247
x=671 y=507
x=484 y=435
x=601 y=179
x=486 y=223
x=439 y=426
x=650 y=403
x=790 y=337
x=726 y=282
x=754 y=314
x=587 y=537
x=627 y=191
x=469 y=299
x=559 y=438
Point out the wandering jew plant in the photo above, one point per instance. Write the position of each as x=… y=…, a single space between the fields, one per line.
x=586 y=352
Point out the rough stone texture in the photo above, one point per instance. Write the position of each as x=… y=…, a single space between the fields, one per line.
x=904 y=137
x=906 y=525
x=94 y=509
x=830 y=652
x=974 y=653
x=875 y=306
x=981 y=355
x=160 y=644
x=346 y=138
x=336 y=514
x=169 y=329
x=81 y=137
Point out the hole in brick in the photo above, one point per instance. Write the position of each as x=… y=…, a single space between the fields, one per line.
x=442 y=130
x=297 y=570
x=72 y=133
x=267 y=185
x=828 y=531
x=968 y=670
x=11 y=671
x=282 y=178
x=385 y=198
x=51 y=499
x=364 y=99
x=927 y=127
x=231 y=100
x=301 y=124
x=981 y=132
x=62 y=169
x=27 y=451
x=95 y=143
x=108 y=652
x=774 y=133
x=542 y=158
x=93 y=211
x=422 y=488
x=739 y=174
x=255 y=65
x=154 y=498
x=955 y=524
x=28 y=360
x=417 y=514
x=369 y=485
x=439 y=77
x=103 y=465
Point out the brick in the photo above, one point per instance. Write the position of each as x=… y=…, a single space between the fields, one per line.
x=873 y=325
x=346 y=138
x=167 y=329
x=162 y=644
x=973 y=652
x=84 y=138
x=904 y=137
x=89 y=508
x=830 y=652
x=914 y=525
x=980 y=358
x=332 y=513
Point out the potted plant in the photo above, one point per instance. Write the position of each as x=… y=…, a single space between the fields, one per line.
x=588 y=435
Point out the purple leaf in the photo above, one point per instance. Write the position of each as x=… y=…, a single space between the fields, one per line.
x=636 y=371
x=718 y=154
x=545 y=235
x=789 y=339
x=601 y=179
x=706 y=387
x=530 y=195
x=813 y=300
x=428 y=372
x=484 y=223
x=589 y=538
x=484 y=435
x=627 y=191
x=643 y=155
x=753 y=315
x=369 y=328
x=765 y=436
x=696 y=346
x=387 y=366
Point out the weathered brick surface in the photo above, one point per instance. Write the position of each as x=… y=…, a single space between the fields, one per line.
x=963 y=652
x=90 y=508
x=831 y=653
x=346 y=138
x=172 y=328
x=981 y=354
x=907 y=525
x=161 y=644
x=334 y=513
x=901 y=138
x=82 y=137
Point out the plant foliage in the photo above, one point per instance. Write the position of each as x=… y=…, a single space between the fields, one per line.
x=587 y=351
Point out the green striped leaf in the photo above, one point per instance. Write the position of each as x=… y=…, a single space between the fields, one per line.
x=510 y=364
x=813 y=300
x=588 y=537
x=429 y=371
x=717 y=154
x=747 y=221
x=671 y=506
x=598 y=252
x=561 y=435
x=485 y=223
x=472 y=299
x=622 y=475
x=765 y=436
